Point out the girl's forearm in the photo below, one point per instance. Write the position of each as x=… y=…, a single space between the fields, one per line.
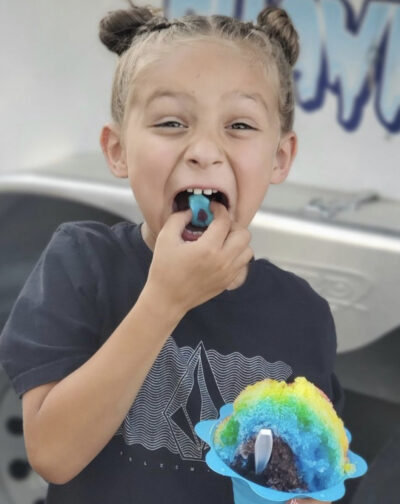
x=82 y=412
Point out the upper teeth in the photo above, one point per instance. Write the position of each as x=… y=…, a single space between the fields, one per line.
x=200 y=191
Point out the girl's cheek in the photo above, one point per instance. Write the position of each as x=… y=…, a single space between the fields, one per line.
x=159 y=146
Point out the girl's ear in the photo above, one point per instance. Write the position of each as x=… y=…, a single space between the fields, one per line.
x=113 y=150
x=285 y=155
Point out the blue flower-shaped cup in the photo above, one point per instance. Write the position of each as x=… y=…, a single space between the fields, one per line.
x=248 y=492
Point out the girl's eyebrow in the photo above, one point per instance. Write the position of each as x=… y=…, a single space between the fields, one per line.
x=160 y=93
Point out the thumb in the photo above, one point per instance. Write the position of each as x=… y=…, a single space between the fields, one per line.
x=218 y=210
x=176 y=222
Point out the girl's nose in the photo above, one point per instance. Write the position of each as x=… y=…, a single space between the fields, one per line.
x=203 y=152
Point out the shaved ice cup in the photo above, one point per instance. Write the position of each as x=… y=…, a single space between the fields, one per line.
x=248 y=492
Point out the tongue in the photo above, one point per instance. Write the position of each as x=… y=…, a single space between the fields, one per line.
x=192 y=233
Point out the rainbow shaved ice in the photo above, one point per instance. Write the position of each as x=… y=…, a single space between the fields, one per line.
x=310 y=446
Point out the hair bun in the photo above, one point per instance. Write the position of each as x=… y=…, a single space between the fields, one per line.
x=278 y=25
x=118 y=28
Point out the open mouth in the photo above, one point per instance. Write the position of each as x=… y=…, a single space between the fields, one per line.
x=181 y=202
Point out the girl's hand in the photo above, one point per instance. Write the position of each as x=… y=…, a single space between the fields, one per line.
x=188 y=274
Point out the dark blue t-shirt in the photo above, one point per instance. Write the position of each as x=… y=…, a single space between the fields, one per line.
x=85 y=282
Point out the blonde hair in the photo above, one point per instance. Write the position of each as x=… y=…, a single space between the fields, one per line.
x=140 y=35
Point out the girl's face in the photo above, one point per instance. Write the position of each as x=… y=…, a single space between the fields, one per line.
x=203 y=117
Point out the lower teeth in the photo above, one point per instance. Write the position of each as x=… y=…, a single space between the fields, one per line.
x=195 y=232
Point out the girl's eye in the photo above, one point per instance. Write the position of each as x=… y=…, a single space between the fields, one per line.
x=164 y=124
x=242 y=124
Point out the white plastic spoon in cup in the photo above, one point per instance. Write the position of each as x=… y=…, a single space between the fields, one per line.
x=262 y=449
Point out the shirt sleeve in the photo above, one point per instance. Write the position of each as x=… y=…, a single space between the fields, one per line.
x=316 y=348
x=338 y=395
x=53 y=326
x=325 y=377
x=336 y=391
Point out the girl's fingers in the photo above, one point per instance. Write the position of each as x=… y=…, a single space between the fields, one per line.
x=219 y=228
x=237 y=240
x=176 y=223
x=243 y=259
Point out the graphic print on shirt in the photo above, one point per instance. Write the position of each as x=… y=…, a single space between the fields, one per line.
x=184 y=386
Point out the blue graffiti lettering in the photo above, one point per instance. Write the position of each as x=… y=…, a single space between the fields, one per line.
x=354 y=57
x=178 y=8
x=308 y=71
x=251 y=10
x=351 y=56
x=387 y=105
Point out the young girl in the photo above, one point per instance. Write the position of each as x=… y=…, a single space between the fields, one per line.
x=124 y=337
